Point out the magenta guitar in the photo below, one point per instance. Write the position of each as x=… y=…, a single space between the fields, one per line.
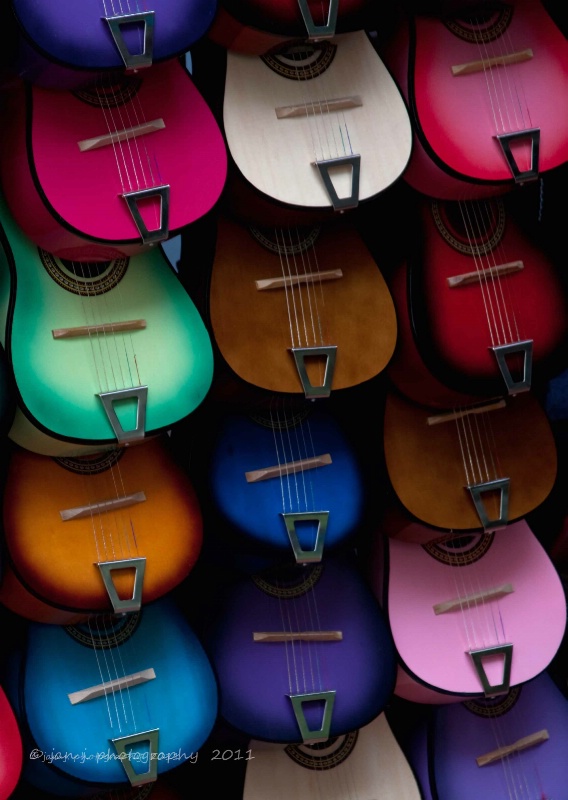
x=114 y=168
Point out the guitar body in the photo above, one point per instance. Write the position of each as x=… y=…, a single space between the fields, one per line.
x=470 y=451
x=11 y=751
x=70 y=201
x=253 y=510
x=278 y=155
x=58 y=379
x=457 y=118
x=456 y=327
x=67 y=41
x=53 y=558
x=358 y=763
x=420 y=577
x=459 y=734
x=255 y=329
x=180 y=701
x=255 y=681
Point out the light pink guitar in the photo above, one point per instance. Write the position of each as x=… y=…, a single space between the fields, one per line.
x=470 y=616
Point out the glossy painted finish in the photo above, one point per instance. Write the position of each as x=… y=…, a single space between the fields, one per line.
x=57 y=380
x=254 y=510
x=78 y=37
x=532 y=617
x=459 y=734
x=256 y=678
x=70 y=201
x=181 y=701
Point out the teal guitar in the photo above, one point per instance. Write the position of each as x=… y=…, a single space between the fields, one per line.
x=102 y=353
x=111 y=703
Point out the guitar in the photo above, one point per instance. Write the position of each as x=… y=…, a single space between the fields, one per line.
x=316 y=124
x=482 y=598
x=353 y=765
x=495 y=747
x=288 y=324
x=102 y=353
x=111 y=169
x=81 y=536
x=288 y=484
x=11 y=751
x=480 y=472
x=113 y=702
x=483 y=87
x=301 y=653
x=63 y=45
x=489 y=309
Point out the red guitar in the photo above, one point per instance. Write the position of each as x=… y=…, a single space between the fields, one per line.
x=488 y=307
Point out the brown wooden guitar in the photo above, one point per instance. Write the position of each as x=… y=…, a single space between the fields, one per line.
x=475 y=466
x=96 y=534
x=300 y=310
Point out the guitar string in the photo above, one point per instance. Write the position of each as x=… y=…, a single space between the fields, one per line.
x=503 y=325
x=133 y=150
x=297 y=491
x=121 y=528
x=321 y=130
x=489 y=618
x=491 y=287
x=292 y=271
x=506 y=92
x=105 y=322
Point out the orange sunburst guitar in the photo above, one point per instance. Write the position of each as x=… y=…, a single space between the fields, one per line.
x=300 y=310
x=475 y=466
x=98 y=533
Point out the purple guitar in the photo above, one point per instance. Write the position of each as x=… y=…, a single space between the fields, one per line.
x=63 y=42
x=302 y=654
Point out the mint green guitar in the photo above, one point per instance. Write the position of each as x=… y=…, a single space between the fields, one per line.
x=103 y=354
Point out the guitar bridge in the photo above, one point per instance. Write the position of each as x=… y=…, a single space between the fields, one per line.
x=133 y=61
x=317 y=32
x=505 y=139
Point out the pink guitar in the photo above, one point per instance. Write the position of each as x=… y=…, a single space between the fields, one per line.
x=11 y=756
x=484 y=88
x=471 y=615
x=108 y=171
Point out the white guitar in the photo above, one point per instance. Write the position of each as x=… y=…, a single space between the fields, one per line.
x=317 y=124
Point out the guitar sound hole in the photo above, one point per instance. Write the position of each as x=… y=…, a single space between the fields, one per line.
x=301 y=61
x=110 y=92
x=459 y=551
x=483 y=23
x=323 y=755
x=473 y=227
x=86 y=269
x=494 y=706
x=104 y=631
x=288 y=581
x=85 y=278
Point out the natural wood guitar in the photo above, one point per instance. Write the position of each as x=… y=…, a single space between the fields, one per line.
x=316 y=124
x=300 y=310
x=477 y=466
